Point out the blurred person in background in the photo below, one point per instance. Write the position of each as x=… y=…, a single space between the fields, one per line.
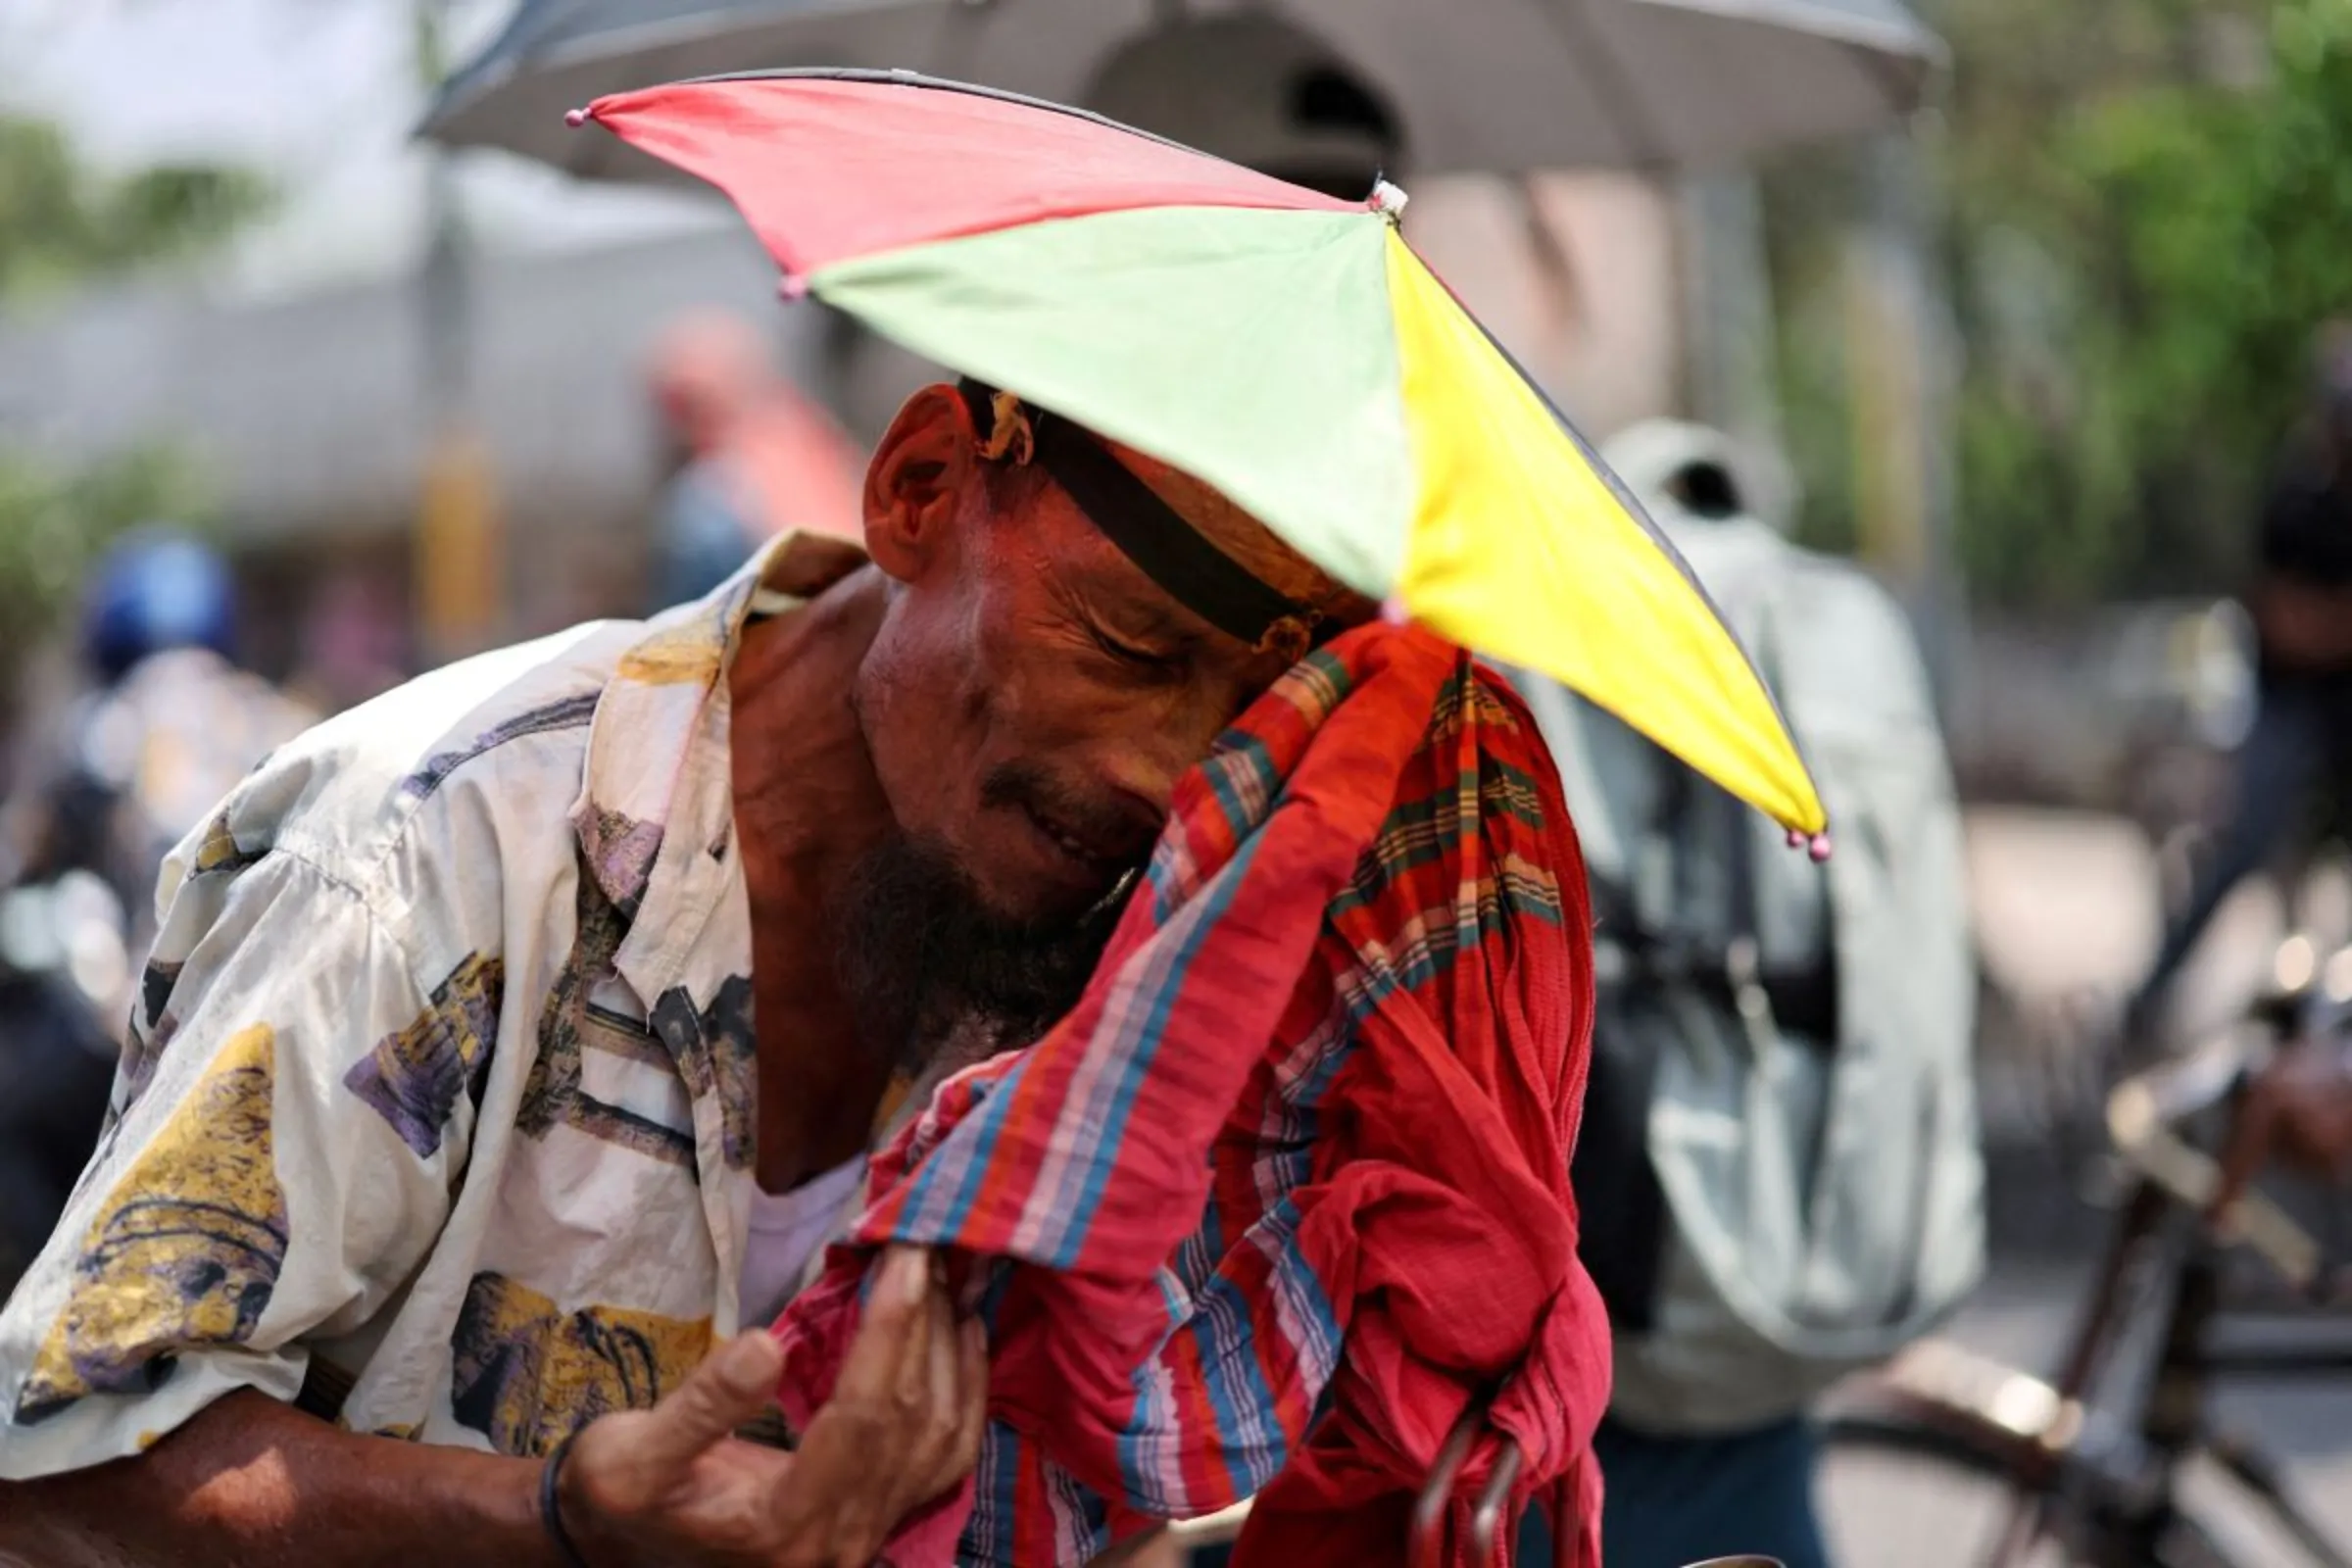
x=1778 y=1169
x=351 y=644
x=750 y=456
x=165 y=729
x=1256 y=91
x=2295 y=763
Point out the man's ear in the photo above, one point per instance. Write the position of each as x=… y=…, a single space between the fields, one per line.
x=916 y=483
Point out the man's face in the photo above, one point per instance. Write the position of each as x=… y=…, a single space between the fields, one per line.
x=1032 y=695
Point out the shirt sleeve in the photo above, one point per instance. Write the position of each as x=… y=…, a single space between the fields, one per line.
x=290 y=1122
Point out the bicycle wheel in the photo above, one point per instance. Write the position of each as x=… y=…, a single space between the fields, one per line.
x=1893 y=1492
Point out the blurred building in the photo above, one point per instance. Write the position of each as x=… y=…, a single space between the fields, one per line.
x=305 y=413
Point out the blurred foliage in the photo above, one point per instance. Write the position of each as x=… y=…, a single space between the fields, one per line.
x=64 y=224
x=56 y=522
x=2145 y=206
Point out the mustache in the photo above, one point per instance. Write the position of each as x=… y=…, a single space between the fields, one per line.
x=1118 y=828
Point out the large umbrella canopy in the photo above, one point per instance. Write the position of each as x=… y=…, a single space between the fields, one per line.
x=1503 y=85
x=1286 y=348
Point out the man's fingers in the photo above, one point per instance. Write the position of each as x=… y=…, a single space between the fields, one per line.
x=945 y=1358
x=731 y=1385
x=889 y=1333
x=971 y=1389
x=911 y=1378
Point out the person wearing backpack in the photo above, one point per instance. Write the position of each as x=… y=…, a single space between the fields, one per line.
x=1778 y=1170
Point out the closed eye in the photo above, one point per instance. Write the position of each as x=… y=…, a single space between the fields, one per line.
x=1126 y=653
x=1138 y=657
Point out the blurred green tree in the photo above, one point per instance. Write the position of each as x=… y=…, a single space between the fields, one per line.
x=2144 y=209
x=64 y=224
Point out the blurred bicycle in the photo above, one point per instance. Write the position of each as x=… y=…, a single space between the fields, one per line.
x=1991 y=1466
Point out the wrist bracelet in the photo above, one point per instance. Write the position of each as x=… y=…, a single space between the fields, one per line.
x=551 y=1512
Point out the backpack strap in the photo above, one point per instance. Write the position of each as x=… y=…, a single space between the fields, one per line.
x=1801 y=1000
x=1651 y=946
x=1625 y=1223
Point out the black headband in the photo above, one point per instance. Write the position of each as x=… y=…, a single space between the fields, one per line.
x=1147 y=530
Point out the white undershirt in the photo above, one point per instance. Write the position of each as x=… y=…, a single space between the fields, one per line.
x=787 y=1231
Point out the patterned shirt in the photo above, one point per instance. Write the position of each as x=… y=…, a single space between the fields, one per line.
x=437 y=1110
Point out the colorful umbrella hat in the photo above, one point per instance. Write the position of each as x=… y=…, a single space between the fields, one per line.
x=1288 y=349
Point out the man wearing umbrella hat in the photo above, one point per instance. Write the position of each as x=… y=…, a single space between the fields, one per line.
x=447 y=1119
x=438 y=1137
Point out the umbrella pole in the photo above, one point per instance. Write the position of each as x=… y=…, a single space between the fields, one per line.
x=1898 y=350
x=1731 y=344
x=456 y=567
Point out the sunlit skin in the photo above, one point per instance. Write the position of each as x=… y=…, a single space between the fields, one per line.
x=996 y=633
x=1028 y=641
x=997 y=679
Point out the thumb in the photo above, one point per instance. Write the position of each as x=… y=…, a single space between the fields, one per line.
x=732 y=1385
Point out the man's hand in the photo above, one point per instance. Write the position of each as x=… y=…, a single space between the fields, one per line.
x=2298 y=1115
x=2304 y=626
x=673 y=1484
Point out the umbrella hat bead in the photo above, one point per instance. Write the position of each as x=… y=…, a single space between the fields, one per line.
x=1522 y=547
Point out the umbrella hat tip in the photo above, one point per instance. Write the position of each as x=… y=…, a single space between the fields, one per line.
x=575 y=117
x=1816 y=845
x=1387 y=199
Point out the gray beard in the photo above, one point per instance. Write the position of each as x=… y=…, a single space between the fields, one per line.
x=929 y=969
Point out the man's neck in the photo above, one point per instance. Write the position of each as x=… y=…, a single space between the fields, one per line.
x=808 y=805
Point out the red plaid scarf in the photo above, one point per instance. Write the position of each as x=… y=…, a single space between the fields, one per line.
x=1289 y=1189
